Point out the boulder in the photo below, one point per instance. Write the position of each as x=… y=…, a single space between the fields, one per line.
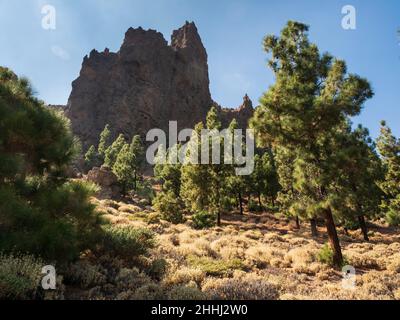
x=106 y=180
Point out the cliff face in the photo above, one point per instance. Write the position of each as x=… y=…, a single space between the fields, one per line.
x=143 y=86
x=242 y=114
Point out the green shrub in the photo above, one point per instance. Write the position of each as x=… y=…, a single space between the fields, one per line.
x=56 y=223
x=149 y=292
x=215 y=267
x=325 y=255
x=169 y=206
x=131 y=279
x=153 y=218
x=86 y=275
x=204 y=220
x=127 y=242
x=145 y=190
x=393 y=216
x=157 y=269
x=20 y=277
x=254 y=206
x=186 y=293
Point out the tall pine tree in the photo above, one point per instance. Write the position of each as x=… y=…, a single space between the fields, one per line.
x=313 y=94
x=389 y=149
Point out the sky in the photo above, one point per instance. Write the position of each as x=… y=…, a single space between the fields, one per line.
x=231 y=30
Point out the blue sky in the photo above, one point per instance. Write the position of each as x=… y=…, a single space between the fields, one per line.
x=231 y=30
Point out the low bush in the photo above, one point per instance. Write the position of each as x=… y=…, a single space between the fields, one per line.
x=85 y=275
x=215 y=267
x=325 y=255
x=169 y=206
x=250 y=288
x=157 y=269
x=186 y=293
x=393 y=216
x=131 y=280
x=153 y=218
x=204 y=220
x=254 y=206
x=20 y=277
x=127 y=242
x=184 y=276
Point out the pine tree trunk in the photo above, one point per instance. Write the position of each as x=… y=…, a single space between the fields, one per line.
x=314 y=230
x=297 y=222
x=273 y=202
x=259 y=200
x=333 y=238
x=219 y=218
x=363 y=226
x=240 y=203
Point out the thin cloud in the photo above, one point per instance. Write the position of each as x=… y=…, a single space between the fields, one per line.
x=60 y=52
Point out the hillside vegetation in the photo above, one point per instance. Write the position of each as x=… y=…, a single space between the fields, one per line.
x=323 y=195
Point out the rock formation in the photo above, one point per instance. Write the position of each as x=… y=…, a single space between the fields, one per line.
x=106 y=180
x=143 y=86
x=241 y=114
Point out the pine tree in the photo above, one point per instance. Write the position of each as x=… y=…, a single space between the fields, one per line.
x=287 y=195
x=128 y=164
x=137 y=151
x=312 y=96
x=113 y=151
x=195 y=178
x=358 y=168
x=123 y=169
x=264 y=179
x=91 y=157
x=168 y=201
x=169 y=174
x=105 y=141
x=237 y=185
x=41 y=213
x=389 y=149
x=217 y=173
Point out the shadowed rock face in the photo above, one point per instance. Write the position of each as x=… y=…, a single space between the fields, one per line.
x=241 y=114
x=143 y=86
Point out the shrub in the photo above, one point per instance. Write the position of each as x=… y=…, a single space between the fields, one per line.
x=153 y=218
x=186 y=293
x=246 y=288
x=149 y=292
x=127 y=242
x=144 y=189
x=85 y=275
x=157 y=269
x=131 y=279
x=325 y=255
x=393 y=217
x=184 y=276
x=20 y=277
x=169 y=206
x=57 y=222
x=254 y=206
x=204 y=220
x=216 y=267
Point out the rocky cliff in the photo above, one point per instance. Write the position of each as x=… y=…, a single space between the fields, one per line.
x=143 y=86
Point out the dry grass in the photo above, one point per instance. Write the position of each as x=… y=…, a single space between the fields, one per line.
x=262 y=257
